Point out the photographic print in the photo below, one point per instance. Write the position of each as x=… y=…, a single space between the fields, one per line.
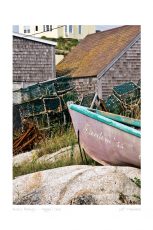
x=76 y=114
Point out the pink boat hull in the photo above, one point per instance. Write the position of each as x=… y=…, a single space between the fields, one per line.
x=106 y=144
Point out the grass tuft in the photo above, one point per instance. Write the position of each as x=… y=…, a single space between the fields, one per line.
x=35 y=166
x=137 y=181
x=61 y=139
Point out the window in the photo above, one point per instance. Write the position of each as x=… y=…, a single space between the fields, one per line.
x=65 y=29
x=70 y=28
x=47 y=28
x=15 y=28
x=36 y=29
x=26 y=29
x=66 y=32
x=79 y=29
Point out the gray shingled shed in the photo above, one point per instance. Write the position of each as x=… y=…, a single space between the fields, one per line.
x=33 y=60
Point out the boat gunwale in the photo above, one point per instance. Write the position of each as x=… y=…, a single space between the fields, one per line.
x=86 y=111
x=119 y=118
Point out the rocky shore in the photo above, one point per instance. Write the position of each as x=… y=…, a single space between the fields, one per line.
x=78 y=185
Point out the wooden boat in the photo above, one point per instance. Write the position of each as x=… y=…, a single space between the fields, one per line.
x=109 y=139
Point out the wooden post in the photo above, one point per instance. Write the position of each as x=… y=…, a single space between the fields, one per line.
x=93 y=102
x=99 y=87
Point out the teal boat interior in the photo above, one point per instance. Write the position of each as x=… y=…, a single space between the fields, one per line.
x=122 y=119
x=125 y=124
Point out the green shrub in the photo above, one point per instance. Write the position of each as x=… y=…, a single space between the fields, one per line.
x=63 y=43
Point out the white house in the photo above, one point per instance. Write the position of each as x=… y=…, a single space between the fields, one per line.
x=55 y=31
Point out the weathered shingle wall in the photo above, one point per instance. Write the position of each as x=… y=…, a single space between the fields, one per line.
x=32 y=61
x=85 y=85
x=127 y=68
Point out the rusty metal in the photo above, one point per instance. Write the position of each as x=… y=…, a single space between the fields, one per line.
x=28 y=139
x=102 y=105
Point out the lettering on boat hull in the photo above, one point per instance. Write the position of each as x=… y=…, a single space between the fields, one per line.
x=88 y=130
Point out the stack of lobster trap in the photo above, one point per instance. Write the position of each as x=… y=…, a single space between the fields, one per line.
x=40 y=108
x=45 y=103
x=125 y=100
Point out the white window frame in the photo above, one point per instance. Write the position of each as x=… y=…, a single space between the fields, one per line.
x=36 y=27
x=72 y=29
x=79 y=29
x=47 y=28
x=66 y=30
x=26 y=29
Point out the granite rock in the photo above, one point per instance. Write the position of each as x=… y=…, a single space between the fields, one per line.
x=78 y=184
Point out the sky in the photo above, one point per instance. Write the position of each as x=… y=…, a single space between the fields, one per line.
x=106 y=27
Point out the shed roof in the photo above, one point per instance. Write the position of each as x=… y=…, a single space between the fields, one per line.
x=96 y=51
x=32 y=38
